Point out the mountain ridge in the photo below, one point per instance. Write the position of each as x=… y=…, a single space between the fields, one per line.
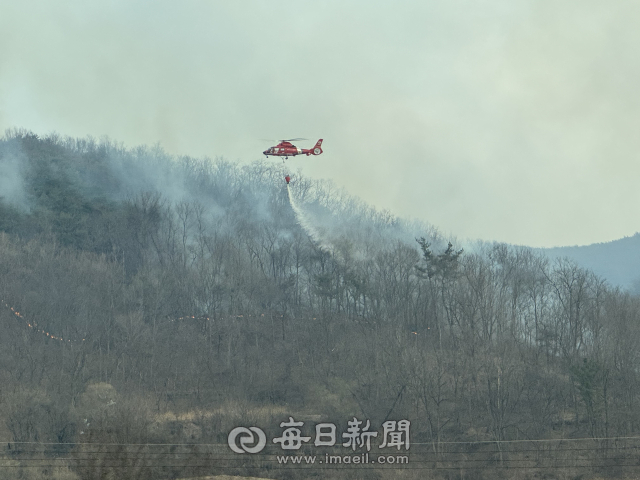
x=618 y=261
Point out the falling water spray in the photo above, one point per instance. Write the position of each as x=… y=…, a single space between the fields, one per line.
x=306 y=225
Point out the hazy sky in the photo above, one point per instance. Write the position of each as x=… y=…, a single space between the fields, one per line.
x=507 y=120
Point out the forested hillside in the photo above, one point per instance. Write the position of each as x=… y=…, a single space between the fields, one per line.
x=151 y=304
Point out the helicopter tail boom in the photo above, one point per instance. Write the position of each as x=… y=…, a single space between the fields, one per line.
x=317 y=150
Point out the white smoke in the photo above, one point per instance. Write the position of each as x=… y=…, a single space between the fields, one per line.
x=12 y=187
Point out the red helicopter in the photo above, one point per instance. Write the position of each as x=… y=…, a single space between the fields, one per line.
x=286 y=148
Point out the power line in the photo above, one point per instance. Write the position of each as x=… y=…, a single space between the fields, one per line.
x=461 y=442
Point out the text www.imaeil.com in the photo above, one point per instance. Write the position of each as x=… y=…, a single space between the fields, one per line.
x=343 y=459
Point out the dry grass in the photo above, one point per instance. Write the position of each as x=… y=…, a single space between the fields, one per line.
x=30 y=470
x=225 y=477
x=231 y=410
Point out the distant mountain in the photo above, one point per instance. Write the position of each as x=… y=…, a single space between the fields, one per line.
x=617 y=261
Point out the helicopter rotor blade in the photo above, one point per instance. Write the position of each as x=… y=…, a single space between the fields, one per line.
x=271 y=140
x=282 y=140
